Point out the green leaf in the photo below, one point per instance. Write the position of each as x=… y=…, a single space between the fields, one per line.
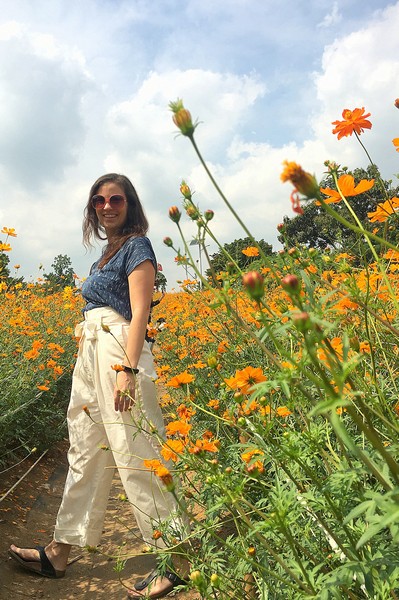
x=374 y=529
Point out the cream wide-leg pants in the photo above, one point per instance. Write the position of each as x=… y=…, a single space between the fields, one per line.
x=125 y=435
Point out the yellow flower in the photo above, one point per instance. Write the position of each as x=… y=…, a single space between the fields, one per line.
x=9 y=232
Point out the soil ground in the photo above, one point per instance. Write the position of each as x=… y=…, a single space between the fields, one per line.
x=27 y=517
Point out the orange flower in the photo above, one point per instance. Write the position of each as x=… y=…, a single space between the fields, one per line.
x=205 y=445
x=160 y=471
x=304 y=182
x=43 y=388
x=346 y=184
x=254 y=466
x=283 y=411
x=178 y=427
x=117 y=368
x=354 y=121
x=214 y=404
x=184 y=412
x=171 y=449
x=247 y=456
x=251 y=251
x=245 y=379
x=384 y=210
x=5 y=247
x=395 y=142
x=180 y=380
x=392 y=255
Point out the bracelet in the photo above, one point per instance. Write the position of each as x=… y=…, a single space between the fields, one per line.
x=129 y=370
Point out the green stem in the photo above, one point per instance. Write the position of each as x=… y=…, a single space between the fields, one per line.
x=229 y=206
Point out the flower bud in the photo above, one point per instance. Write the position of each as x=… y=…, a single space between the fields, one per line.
x=192 y=212
x=156 y=534
x=238 y=397
x=212 y=362
x=303 y=181
x=254 y=284
x=208 y=215
x=215 y=580
x=280 y=227
x=182 y=118
x=302 y=321
x=290 y=284
x=168 y=242
x=185 y=190
x=354 y=343
x=396 y=103
x=196 y=577
x=174 y=214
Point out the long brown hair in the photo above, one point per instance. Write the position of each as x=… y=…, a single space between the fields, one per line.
x=136 y=223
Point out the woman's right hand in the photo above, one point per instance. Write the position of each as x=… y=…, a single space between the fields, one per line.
x=124 y=392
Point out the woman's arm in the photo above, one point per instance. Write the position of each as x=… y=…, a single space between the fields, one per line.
x=141 y=287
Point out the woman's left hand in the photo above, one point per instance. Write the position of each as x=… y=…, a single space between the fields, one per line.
x=124 y=392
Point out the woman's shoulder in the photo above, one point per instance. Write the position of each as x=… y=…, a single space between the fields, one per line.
x=136 y=242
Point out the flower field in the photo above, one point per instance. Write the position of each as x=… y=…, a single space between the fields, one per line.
x=36 y=359
x=279 y=384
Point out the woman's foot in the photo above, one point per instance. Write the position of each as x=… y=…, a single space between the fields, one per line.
x=155 y=586
x=50 y=561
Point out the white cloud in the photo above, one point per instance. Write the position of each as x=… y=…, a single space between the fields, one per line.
x=332 y=18
x=41 y=126
x=96 y=103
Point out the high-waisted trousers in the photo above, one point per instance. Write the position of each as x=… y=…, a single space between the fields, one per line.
x=108 y=439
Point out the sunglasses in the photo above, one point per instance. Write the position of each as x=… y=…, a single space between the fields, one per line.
x=115 y=201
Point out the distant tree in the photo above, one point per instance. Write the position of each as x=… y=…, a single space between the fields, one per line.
x=4 y=270
x=62 y=274
x=219 y=261
x=160 y=282
x=315 y=228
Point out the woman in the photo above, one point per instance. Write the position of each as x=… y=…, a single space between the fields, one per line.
x=112 y=409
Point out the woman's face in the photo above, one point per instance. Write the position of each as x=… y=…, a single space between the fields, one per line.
x=112 y=218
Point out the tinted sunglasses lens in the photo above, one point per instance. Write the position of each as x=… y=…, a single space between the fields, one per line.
x=116 y=201
x=98 y=202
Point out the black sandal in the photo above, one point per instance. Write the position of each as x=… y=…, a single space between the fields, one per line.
x=174 y=579
x=41 y=567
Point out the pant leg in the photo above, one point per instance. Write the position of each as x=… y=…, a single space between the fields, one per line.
x=81 y=515
x=131 y=435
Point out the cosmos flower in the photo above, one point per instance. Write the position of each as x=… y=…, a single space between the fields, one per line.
x=346 y=184
x=353 y=121
x=384 y=210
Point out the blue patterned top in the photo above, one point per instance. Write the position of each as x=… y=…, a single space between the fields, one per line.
x=109 y=286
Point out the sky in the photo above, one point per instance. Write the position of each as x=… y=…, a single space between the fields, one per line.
x=85 y=87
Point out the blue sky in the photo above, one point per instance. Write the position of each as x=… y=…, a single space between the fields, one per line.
x=85 y=87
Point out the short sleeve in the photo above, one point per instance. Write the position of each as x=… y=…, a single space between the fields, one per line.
x=138 y=250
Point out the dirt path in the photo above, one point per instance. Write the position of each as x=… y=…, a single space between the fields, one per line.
x=27 y=518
